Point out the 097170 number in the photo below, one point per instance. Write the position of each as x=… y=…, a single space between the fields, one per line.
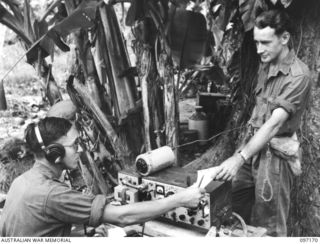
x=309 y=239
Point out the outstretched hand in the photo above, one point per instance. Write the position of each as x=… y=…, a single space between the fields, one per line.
x=229 y=168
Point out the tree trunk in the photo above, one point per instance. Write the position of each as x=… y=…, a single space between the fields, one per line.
x=152 y=92
x=171 y=109
x=122 y=84
x=145 y=69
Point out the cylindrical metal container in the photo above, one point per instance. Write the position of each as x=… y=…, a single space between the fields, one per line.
x=155 y=160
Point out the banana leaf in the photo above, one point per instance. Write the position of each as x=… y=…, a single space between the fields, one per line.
x=82 y=17
x=13 y=23
x=14 y=7
x=249 y=10
x=45 y=43
x=187 y=37
x=27 y=21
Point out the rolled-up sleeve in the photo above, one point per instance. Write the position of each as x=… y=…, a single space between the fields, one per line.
x=294 y=95
x=69 y=206
x=97 y=209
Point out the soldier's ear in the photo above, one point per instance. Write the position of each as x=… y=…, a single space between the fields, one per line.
x=285 y=37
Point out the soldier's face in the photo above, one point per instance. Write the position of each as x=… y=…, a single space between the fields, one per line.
x=269 y=45
x=72 y=148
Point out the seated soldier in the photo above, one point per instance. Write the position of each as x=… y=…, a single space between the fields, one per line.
x=38 y=204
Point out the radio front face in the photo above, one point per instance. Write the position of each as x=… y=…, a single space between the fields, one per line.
x=212 y=210
x=199 y=217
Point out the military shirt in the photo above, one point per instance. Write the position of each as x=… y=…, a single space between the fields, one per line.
x=38 y=204
x=287 y=85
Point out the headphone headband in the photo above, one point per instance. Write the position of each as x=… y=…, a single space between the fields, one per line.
x=39 y=138
x=53 y=152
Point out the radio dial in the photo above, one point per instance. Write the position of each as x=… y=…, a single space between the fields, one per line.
x=182 y=217
x=201 y=222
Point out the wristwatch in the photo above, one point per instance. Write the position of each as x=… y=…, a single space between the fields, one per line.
x=243 y=156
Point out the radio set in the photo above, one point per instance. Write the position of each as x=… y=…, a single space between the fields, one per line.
x=214 y=210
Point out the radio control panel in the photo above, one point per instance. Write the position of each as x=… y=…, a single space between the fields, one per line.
x=213 y=210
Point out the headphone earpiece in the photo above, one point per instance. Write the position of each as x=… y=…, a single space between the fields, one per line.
x=54 y=152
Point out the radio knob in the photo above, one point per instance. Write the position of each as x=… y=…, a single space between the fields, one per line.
x=191 y=212
x=203 y=203
x=201 y=222
x=182 y=217
x=191 y=220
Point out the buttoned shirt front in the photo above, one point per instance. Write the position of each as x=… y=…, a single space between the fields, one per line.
x=286 y=85
x=38 y=204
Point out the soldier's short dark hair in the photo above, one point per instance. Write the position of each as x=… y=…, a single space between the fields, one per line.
x=51 y=129
x=275 y=19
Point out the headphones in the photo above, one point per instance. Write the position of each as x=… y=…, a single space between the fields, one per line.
x=54 y=152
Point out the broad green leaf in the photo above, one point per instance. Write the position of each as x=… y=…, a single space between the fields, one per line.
x=13 y=23
x=27 y=20
x=82 y=17
x=45 y=43
x=188 y=36
x=248 y=10
x=14 y=5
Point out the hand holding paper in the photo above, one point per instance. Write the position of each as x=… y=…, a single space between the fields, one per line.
x=205 y=176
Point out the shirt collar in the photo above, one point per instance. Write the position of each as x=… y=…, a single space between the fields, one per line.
x=47 y=169
x=283 y=66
